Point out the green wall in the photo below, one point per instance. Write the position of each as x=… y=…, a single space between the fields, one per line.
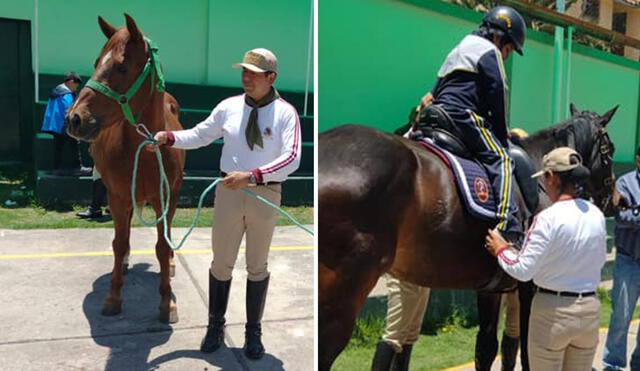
x=198 y=39
x=599 y=85
x=378 y=57
x=598 y=82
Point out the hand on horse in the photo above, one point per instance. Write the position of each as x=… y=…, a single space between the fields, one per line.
x=494 y=242
x=425 y=101
x=160 y=137
x=236 y=180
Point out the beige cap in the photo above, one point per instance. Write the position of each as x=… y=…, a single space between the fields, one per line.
x=259 y=60
x=559 y=160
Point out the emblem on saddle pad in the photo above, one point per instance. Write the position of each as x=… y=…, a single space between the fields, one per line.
x=481 y=188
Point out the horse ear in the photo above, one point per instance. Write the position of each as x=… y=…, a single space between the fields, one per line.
x=134 y=32
x=573 y=109
x=107 y=29
x=607 y=116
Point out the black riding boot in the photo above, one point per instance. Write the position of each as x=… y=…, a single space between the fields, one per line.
x=401 y=360
x=256 y=297
x=218 y=299
x=383 y=357
x=99 y=194
x=509 y=350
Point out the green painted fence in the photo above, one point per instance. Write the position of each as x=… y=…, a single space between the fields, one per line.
x=376 y=58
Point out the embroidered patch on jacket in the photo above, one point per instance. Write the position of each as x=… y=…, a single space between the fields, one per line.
x=267 y=132
x=481 y=188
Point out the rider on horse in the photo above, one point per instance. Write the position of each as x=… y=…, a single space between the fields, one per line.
x=472 y=91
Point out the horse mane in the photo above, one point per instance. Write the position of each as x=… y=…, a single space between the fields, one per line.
x=577 y=129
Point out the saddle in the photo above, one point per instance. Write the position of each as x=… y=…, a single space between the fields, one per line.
x=436 y=127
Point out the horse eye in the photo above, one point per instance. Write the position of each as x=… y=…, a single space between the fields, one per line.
x=121 y=68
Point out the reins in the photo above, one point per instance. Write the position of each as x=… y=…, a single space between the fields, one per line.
x=164 y=188
x=153 y=69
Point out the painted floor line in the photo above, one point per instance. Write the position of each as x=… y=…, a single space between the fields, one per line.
x=133 y=252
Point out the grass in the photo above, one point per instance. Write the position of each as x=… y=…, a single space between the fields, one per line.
x=19 y=209
x=37 y=217
x=451 y=344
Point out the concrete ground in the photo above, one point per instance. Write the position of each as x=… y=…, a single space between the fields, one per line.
x=53 y=283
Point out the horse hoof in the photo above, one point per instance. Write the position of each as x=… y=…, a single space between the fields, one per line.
x=170 y=316
x=172 y=271
x=111 y=307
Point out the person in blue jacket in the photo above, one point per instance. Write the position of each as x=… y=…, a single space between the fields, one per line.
x=472 y=89
x=60 y=98
x=626 y=275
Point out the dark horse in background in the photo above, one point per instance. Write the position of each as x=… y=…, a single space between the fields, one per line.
x=388 y=205
x=96 y=118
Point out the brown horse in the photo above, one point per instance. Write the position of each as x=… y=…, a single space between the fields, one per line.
x=388 y=205
x=99 y=119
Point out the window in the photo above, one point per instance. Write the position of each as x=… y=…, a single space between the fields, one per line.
x=591 y=9
x=619 y=24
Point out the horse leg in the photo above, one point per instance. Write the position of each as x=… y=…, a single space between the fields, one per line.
x=172 y=265
x=526 y=290
x=168 y=308
x=341 y=296
x=125 y=264
x=121 y=214
x=487 y=338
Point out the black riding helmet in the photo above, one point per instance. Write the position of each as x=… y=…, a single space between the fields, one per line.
x=509 y=21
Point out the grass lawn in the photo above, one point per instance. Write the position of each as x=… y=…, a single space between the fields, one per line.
x=452 y=344
x=20 y=210
x=34 y=217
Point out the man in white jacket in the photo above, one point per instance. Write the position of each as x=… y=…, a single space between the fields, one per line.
x=262 y=144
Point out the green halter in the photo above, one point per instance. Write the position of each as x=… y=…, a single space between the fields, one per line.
x=152 y=67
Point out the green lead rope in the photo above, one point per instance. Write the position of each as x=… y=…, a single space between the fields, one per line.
x=165 y=194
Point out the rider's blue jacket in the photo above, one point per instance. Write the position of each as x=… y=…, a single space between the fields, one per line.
x=473 y=77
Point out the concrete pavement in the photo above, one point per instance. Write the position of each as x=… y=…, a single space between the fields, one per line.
x=53 y=283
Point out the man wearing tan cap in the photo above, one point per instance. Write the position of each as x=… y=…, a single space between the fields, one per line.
x=262 y=144
x=563 y=253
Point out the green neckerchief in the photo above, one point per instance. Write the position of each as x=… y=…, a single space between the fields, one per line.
x=253 y=130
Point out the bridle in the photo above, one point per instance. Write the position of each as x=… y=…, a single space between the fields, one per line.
x=151 y=68
x=602 y=156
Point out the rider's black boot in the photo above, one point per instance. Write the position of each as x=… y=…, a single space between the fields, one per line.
x=218 y=299
x=509 y=351
x=256 y=297
x=401 y=360
x=383 y=357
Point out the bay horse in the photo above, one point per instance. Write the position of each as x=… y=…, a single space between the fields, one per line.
x=388 y=205
x=126 y=88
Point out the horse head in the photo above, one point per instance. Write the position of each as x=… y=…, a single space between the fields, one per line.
x=121 y=84
x=588 y=135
